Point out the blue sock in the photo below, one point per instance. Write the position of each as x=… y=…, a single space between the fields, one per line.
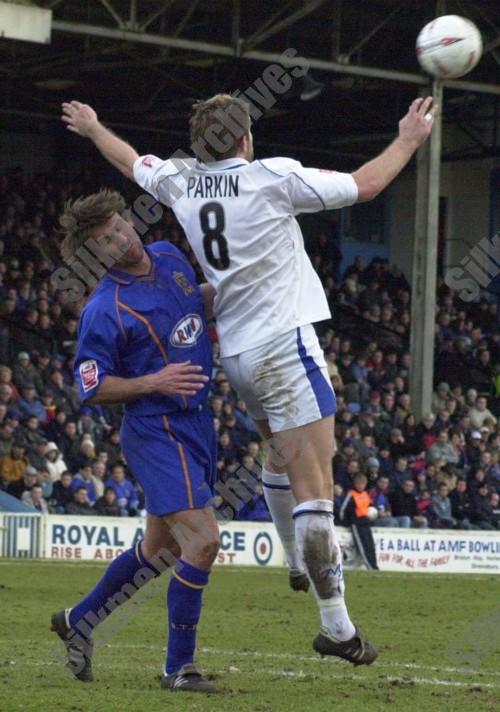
x=184 y=596
x=121 y=580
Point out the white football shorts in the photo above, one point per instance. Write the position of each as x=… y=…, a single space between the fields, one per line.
x=285 y=381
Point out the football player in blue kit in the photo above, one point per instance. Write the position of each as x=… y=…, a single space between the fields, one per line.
x=143 y=342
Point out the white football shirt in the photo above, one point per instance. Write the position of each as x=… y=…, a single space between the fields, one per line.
x=239 y=219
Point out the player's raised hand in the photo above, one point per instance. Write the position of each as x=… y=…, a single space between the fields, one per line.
x=180 y=379
x=79 y=118
x=416 y=126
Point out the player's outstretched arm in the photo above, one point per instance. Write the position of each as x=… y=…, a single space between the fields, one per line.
x=176 y=379
x=414 y=129
x=82 y=120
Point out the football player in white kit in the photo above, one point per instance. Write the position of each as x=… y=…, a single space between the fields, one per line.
x=239 y=217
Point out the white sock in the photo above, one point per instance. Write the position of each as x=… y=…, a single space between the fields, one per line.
x=319 y=549
x=280 y=502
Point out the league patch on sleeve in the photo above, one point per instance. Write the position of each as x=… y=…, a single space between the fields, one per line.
x=89 y=375
x=148 y=161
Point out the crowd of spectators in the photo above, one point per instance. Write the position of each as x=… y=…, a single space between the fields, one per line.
x=58 y=456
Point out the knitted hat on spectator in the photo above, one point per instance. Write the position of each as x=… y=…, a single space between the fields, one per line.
x=23 y=356
x=476 y=435
x=372 y=462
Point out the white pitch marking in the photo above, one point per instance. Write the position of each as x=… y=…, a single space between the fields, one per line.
x=307 y=658
x=291 y=674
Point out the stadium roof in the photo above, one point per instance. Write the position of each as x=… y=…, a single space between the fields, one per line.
x=141 y=63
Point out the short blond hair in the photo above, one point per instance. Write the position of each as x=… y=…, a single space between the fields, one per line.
x=217 y=125
x=83 y=215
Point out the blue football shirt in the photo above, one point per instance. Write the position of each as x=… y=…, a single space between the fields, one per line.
x=133 y=326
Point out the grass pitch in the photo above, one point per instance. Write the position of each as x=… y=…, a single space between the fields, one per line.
x=255 y=640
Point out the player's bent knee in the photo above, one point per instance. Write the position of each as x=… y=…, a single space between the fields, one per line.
x=210 y=550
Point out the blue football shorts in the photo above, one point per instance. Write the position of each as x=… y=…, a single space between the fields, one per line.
x=173 y=457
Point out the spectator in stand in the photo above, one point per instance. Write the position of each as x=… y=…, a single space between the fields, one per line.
x=7 y=396
x=25 y=373
x=99 y=476
x=55 y=428
x=83 y=478
x=54 y=462
x=127 y=498
x=43 y=479
x=441 y=397
x=65 y=397
x=13 y=465
x=480 y=412
x=243 y=419
x=442 y=451
x=495 y=508
x=34 y=498
x=397 y=444
x=425 y=433
x=373 y=471
x=107 y=505
x=401 y=471
x=6 y=438
x=112 y=446
x=441 y=509
x=482 y=512
x=379 y=497
x=461 y=505
x=37 y=454
x=86 y=452
x=62 y=493
x=30 y=433
x=69 y=443
x=255 y=509
x=29 y=404
x=80 y=504
x=404 y=506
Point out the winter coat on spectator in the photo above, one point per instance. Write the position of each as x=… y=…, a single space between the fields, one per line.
x=481 y=509
x=34 y=407
x=442 y=451
x=244 y=420
x=5 y=445
x=61 y=496
x=107 y=510
x=126 y=494
x=12 y=469
x=403 y=504
x=460 y=505
x=80 y=509
x=26 y=375
x=41 y=505
x=78 y=482
x=477 y=417
x=441 y=507
x=55 y=467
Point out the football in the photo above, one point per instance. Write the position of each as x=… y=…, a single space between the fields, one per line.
x=449 y=47
x=372 y=513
